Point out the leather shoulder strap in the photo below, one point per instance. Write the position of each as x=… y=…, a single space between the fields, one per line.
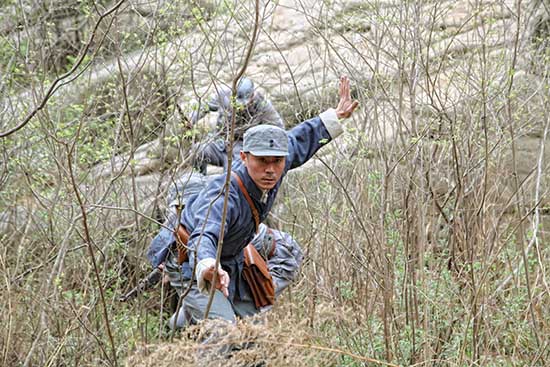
x=255 y=213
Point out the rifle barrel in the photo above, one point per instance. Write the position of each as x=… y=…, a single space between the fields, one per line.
x=143 y=285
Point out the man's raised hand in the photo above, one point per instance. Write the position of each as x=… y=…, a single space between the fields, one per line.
x=346 y=105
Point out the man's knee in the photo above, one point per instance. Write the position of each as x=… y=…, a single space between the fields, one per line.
x=195 y=305
x=179 y=320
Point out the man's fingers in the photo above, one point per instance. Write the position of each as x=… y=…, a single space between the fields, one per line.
x=223 y=282
x=354 y=106
x=347 y=87
x=344 y=87
x=346 y=105
x=345 y=90
x=223 y=278
x=351 y=108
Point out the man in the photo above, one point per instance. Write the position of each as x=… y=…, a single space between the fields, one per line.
x=252 y=109
x=268 y=153
x=282 y=253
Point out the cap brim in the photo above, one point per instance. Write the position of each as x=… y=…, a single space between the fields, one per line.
x=268 y=153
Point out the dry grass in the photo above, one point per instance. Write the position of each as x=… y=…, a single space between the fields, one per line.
x=276 y=341
x=424 y=229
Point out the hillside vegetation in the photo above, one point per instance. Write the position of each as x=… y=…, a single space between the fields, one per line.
x=424 y=227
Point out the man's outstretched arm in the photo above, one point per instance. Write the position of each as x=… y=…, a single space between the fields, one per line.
x=308 y=137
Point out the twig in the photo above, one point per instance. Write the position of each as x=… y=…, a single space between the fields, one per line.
x=511 y=126
x=30 y=270
x=332 y=350
x=535 y=210
x=356 y=212
x=137 y=212
x=230 y=156
x=10 y=311
x=53 y=87
x=88 y=240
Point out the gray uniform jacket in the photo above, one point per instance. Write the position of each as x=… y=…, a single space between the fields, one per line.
x=258 y=111
x=202 y=216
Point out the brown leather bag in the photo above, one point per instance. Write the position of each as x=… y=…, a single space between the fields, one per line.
x=182 y=237
x=256 y=274
x=255 y=270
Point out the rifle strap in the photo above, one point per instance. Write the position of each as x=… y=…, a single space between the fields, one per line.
x=182 y=235
x=255 y=271
x=255 y=213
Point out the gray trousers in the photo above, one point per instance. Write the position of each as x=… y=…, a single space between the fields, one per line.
x=217 y=349
x=194 y=304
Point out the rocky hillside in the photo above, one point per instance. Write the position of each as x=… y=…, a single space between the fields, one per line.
x=444 y=166
x=408 y=62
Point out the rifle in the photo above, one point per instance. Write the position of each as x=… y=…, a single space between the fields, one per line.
x=143 y=285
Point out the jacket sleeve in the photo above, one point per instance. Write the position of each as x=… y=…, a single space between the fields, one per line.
x=305 y=139
x=208 y=217
x=158 y=249
x=265 y=113
x=200 y=110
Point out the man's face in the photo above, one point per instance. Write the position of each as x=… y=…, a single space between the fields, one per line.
x=264 y=171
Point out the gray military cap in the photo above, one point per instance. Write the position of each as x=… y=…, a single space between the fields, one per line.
x=266 y=140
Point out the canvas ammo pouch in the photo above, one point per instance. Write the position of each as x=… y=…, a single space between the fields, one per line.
x=255 y=270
